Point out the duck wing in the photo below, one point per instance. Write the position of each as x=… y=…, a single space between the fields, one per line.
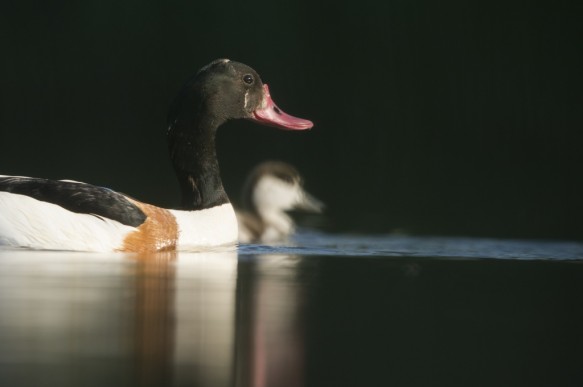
x=77 y=197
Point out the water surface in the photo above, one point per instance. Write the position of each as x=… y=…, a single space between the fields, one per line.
x=323 y=310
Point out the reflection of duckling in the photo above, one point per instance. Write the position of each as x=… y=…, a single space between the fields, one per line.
x=272 y=188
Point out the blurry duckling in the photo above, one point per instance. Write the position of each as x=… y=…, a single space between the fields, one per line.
x=271 y=189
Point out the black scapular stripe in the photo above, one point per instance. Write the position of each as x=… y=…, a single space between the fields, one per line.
x=77 y=197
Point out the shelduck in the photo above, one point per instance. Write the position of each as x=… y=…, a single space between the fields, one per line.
x=271 y=189
x=38 y=213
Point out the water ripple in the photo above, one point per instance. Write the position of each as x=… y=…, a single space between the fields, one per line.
x=314 y=243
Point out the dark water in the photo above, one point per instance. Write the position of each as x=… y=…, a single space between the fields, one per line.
x=325 y=311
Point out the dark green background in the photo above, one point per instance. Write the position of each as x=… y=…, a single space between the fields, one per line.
x=448 y=118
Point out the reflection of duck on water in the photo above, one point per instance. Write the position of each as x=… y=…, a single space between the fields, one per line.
x=271 y=189
x=68 y=215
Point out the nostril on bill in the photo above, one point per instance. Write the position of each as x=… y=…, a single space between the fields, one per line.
x=276 y=109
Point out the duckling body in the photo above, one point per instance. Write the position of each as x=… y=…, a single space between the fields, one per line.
x=67 y=215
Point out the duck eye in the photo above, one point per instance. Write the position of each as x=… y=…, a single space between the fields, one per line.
x=248 y=79
x=285 y=178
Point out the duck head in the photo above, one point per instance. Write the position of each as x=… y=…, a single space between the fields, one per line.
x=224 y=90
x=221 y=91
x=276 y=186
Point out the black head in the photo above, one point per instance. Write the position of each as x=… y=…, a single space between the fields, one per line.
x=225 y=90
x=231 y=90
x=222 y=90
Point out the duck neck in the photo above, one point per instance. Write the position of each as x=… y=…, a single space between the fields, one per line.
x=191 y=144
